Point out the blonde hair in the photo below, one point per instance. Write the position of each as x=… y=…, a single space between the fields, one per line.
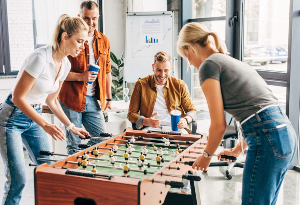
x=70 y=25
x=162 y=56
x=196 y=33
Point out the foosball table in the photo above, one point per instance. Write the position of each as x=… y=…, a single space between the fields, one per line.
x=135 y=167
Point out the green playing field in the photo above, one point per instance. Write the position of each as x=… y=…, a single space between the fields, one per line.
x=150 y=158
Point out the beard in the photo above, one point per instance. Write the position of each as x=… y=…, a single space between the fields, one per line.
x=158 y=78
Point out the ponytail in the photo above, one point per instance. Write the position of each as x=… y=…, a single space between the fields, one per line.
x=67 y=24
x=197 y=33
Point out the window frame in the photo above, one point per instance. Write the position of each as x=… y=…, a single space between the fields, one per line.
x=5 y=68
x=235 y=43
x=100 y=22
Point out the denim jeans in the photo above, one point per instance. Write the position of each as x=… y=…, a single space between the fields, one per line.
x=15 y=128
x=92 y=119
x=271 y=141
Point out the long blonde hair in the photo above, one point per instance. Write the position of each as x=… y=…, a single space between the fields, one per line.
x=67 y=24
x=196 y=33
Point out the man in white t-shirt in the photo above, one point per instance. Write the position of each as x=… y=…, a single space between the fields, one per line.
x=154 y=97
x=85 y=93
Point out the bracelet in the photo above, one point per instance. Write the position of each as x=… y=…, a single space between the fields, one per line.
x=70 y=126
x=187 y=122
x=108 y=99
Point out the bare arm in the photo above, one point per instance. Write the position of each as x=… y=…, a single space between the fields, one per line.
x=23 y=86
x=213 y=94
x=56 y=108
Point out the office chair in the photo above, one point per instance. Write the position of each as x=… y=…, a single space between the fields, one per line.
x=231 y=134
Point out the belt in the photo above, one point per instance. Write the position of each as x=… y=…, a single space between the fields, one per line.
x=257 y=113
x=239 y=125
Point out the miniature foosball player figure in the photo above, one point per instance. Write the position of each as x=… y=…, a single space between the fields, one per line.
x=167 y=143
x=160 y=152
x=164 y=139
x=94 y=170
x=84 y=164
x=110 y=152
x=132 y=140
x=85 y=156
x=130 y=149
x=176 y=153
x=145 y=151
x=139 y=164
x=154 y=148
x=158 y=159
x=179 y=149
x=95 y=152
x=142 y=157
x=126 y=156
x=115 y=148
x=126 y=169
x=112 y=160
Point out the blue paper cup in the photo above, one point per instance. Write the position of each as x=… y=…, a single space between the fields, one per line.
x=175 y=117
x=95 y=68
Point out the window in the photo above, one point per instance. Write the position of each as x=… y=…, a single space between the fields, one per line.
x=212 y=13
x=266 y=34
x=46 y=14
x=29 y=24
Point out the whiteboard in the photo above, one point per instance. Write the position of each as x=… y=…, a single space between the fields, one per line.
x=139 y=52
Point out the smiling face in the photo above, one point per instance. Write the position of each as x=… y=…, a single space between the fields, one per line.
x=75 y=43
x=161 y=71
x=91 y=17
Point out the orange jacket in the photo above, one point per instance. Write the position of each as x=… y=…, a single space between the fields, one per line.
x=73 y=93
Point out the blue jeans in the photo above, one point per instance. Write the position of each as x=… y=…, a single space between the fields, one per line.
x=92 y=119
x=271 y=141
x=15 y=128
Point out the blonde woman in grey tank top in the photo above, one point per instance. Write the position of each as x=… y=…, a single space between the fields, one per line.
x=233 y=86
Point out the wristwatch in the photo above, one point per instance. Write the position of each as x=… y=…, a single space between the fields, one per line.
x=206 y=155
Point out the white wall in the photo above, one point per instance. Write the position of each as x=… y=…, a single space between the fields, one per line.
x=114 y=24
x=20 y=27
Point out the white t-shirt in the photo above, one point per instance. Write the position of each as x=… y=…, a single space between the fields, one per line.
x=40 y=65
x=161 y=107
x=91 y=87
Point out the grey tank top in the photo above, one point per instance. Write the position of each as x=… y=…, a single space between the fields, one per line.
x=244 y=92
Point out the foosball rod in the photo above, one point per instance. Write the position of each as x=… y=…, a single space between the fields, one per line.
x=130 y=169
x=118 y=155
x=149 y=138
x=148 y=165
x=173 y=184
x=107 y=148
x=190 y=163
x=138 y=144
x=48 y=153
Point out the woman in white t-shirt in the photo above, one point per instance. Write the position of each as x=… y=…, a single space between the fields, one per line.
x=39 y=81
